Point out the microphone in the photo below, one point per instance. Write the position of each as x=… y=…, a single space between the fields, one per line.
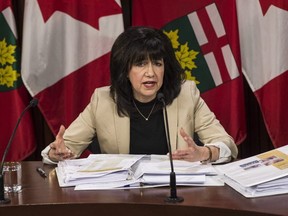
x=4 y=200
x=173 y=198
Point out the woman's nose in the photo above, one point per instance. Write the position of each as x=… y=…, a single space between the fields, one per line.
x=150 y=70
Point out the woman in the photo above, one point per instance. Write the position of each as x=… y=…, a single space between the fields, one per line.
x=127 y=118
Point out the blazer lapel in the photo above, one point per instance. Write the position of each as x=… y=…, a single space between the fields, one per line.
x=122 y=127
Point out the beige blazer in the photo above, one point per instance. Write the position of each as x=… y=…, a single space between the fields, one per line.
x=100 y=119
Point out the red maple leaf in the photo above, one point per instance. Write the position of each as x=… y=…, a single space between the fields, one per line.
x=265 y=4
x=88 y=11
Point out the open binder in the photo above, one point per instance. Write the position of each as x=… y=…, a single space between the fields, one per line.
x=116 y=171
x=261 y=175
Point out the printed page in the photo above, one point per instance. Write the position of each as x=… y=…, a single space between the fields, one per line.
x=258 y=169
x=96 y=168
x=160 y=167
x=180 y=179
x=254 y=191
x=136 y=184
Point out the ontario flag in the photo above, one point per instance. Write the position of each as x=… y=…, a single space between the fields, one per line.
x=263 y=28
x=13 y=94
x=66 y=47
x=204 y=35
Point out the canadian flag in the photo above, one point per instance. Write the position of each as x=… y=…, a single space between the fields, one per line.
x=204 y=38
x=263 y=28
x=65 y=55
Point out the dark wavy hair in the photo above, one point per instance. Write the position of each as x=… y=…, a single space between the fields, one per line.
x=135 y=45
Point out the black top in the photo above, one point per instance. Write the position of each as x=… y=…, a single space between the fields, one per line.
x=147 y=137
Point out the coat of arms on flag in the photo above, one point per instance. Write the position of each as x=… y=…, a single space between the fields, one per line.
x=9 y=53
x=202 y=48
x=13 y=94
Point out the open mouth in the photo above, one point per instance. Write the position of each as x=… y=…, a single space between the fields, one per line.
x=149 y=83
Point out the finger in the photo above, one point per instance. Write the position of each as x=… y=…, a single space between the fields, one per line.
x=60 y=133
x=55 y=149
x=180 y=152
x=56 y=146
x=54 y=156
x=183 y=133
x=66 y=156
x=179 y=156
x=59 y=141
x=62 y=150
x=69 y=155
x=53 y=146
x=187 y=138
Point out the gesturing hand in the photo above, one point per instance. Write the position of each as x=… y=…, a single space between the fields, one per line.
x=58 y=149
x=192 y=153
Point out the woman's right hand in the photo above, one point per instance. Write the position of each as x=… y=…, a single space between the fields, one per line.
x=58 y=150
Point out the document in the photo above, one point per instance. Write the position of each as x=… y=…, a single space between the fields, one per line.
x=158 y=165
x=157 y=169
x=113 y=171
x=261 y=175
x=100 y=168
x=134 y=184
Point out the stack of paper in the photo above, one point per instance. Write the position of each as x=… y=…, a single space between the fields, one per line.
x=96 y=169
x=157 y=170
x=261 y=175
x=106 y=171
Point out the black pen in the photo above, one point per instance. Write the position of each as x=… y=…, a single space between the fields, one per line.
x=41 y=172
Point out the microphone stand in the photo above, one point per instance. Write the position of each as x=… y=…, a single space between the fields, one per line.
x=173 y=198
x=4 y=200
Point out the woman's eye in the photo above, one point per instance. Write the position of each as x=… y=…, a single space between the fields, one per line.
x=158 y=63
x=140 y=64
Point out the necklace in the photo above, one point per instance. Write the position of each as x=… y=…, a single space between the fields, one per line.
x=146 y=118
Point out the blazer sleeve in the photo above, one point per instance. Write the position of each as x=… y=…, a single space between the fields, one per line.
x=82 y=130
x=99 y=120
x=206 y=125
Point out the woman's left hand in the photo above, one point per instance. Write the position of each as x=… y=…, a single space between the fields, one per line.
x=193 y=152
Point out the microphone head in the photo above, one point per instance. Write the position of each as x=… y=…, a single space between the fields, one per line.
x=160 y=96
x=34 y=102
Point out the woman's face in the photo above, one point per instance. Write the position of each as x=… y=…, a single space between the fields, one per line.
x=146 y=78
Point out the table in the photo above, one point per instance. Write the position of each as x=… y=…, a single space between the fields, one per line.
x=43 y=196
